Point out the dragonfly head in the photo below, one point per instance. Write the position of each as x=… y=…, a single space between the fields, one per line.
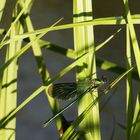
x=98 y=82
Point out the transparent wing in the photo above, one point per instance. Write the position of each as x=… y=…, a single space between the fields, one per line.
x=63 y=91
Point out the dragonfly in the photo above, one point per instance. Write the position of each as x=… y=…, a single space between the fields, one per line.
x=66 y=91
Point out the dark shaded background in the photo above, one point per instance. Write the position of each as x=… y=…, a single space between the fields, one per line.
x=44 y=13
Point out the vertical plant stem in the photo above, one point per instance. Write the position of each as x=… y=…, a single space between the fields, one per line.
x=133 y=36
x=129 y=95
x=135 y=127
x=8 y=96
x=83 y=41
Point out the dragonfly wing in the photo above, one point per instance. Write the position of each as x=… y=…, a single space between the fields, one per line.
x=63 y=91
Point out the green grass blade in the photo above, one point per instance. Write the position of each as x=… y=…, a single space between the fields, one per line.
x=133 y=36
x=129 y=96
x=95 y=22
x=2 y=5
